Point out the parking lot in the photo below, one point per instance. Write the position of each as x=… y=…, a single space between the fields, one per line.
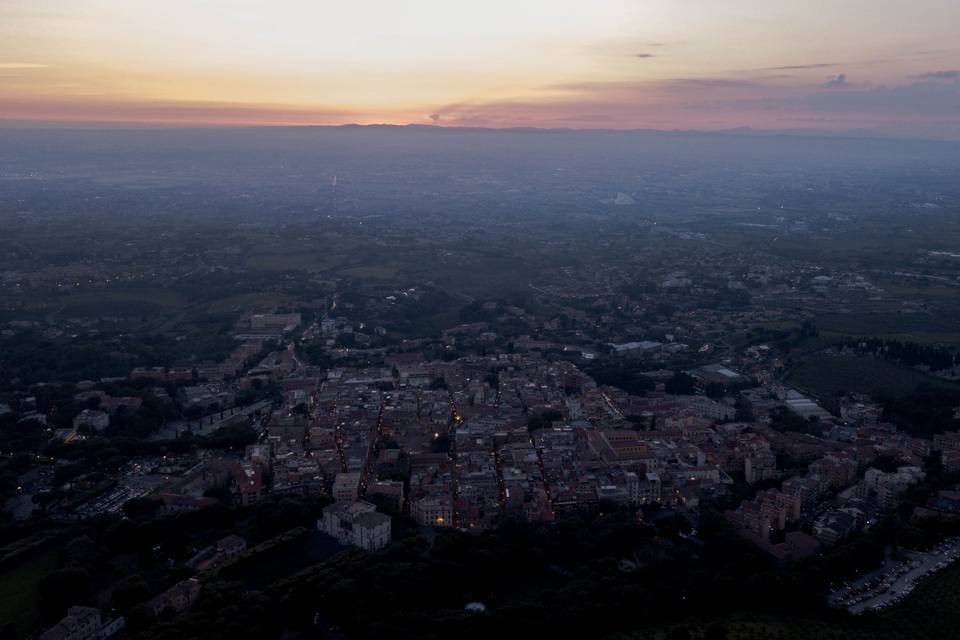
x=895 y=580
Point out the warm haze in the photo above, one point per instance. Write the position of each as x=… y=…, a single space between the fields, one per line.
x=880 y=65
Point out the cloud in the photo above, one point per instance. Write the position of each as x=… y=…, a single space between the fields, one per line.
x=712 y=83
x=641 y=88
x=645 y=55
x=670 y=103
x=93 y=109
x=919 y=99
x=4 y=66
x=951 y=74
x=926 y=109
x=839 y=80
x=798 y=67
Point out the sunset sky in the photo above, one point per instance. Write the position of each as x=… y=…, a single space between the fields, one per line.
x=885 y=65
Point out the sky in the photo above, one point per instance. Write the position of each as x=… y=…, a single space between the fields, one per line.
x=879 y=65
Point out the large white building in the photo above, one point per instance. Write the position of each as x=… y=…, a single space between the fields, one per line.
x=804 y=406
x=356 y=523
x=704 y=407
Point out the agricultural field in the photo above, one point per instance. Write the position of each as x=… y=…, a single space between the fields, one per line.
x=828 y=375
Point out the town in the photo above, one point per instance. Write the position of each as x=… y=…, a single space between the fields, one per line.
x=252 y=423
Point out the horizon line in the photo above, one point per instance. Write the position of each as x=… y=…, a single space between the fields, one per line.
x=87 y=125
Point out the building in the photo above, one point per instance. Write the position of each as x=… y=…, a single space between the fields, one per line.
x=805 y=407
x=226 y=549
x=837 y=471
x=951 y=460
x=644 y=491
x=80 y=623
x=175 y=502
x=704 y=407
x=760 y=466
x=433 y=511
x=638 y=347
x=96 y=420
x=800 y=545
x=834 y=526
x=151 y=373
x=205 y=396
x=176 y=599
x=246 y=483
x=808 y=490
x=356 y=523
x=624 y=447
x=282 y=321
x=346 y=486
x=392 y=490
x=769 y=511
x=717 y=374
x=949 y=441
x=886 y=487
x=231 y=546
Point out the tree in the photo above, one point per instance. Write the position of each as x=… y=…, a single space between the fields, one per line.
x=129 y=592
x=139 y=618
x=140 y=508
x=543 y=419
x=744 y=410
x=63 y=589
x=679 y=633
x=625 y=375
x=715 y=390
x=301 y=409
x=440 y=444
x=67 y=472
x=80 y=551
x=681 y=384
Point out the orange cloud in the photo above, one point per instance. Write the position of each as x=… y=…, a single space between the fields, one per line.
x=180 y=112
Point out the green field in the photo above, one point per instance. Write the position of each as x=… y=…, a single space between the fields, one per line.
x=827 y=375
x=246 y=301
x=746 y=627
x=18 y=590
x=917 y=327
x=117 y=302
x=294 y=261
x=931 y=612
x=384 y=271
